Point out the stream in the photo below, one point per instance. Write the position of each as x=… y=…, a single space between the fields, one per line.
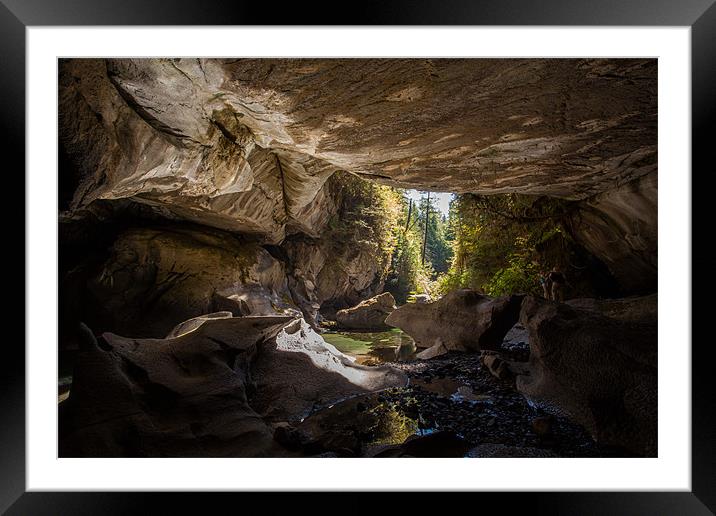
x=373 y=348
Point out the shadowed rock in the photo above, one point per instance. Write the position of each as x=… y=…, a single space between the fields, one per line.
x=180 y=397
x=369 y=314
x=598 y=369
x=463 y=320
x=442 y=444
x=209 y=391
x=154 y=277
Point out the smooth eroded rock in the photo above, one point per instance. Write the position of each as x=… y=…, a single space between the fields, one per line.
x=176 y=397
x=463 y=320
x=599 y=370
x=298 y=372
x=369 y=314
x=247 y=145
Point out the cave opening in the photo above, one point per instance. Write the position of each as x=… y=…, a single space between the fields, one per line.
x=405 y=268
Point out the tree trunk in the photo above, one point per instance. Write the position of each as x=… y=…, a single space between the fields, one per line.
x=410 y=212
x=427 y=218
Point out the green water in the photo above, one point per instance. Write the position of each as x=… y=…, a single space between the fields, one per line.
x=373 y=347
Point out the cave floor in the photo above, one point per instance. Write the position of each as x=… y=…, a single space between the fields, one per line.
x=452 y=407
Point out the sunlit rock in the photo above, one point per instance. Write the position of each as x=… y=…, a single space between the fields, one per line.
x=299 y=372
x=462 y=320
x=368 y=314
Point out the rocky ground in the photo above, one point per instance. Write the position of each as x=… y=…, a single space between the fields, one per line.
x=453 y=406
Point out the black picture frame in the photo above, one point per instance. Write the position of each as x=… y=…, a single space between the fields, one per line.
x=700 y=15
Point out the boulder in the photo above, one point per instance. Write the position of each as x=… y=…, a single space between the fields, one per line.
x=217 y=386
x=463 y=320
x=175 y=397
x=433 y=351
x=596 y=368
x=298 y=372
x=496 y=365
x=369 y=314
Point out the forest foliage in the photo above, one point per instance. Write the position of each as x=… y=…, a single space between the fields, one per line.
x=495 y=244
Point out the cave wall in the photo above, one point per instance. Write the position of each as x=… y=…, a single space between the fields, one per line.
x=130 y=269
x=620 y=226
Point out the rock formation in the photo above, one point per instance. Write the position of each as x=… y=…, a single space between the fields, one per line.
x=154 y=278
x=331 y=274
x=620 y=226
x=181 y=397
x=369 y=314
x=209 y=389
x=598 y=369
x=299 y=372
x=462 y=320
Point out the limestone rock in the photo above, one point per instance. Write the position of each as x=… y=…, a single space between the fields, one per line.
x=417 y=122
x=369 y=314
x=643 y=309
x=192 y=324
x=462 y=320
x=331 y=273
x=597 y=369
x=298 y=372
x=177 y=397
x=159 y=131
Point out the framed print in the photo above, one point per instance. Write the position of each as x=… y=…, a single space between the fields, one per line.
x=329 y=255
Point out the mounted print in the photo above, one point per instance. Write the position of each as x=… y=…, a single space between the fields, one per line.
x=364 y=257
